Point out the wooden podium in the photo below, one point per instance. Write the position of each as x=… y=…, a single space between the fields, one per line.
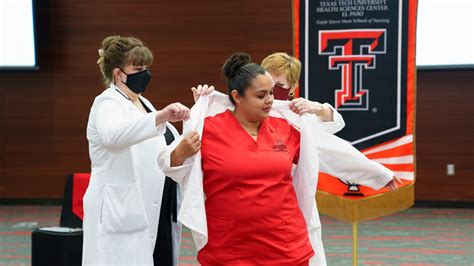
x=363 y=209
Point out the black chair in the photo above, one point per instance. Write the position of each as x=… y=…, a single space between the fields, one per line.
x=68 y=218
x=56 y=248
x=62 y=245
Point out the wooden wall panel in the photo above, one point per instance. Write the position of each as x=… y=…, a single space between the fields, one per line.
x=445 y=135
x=44 y=113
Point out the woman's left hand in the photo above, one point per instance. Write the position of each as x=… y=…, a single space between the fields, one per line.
x=392 y=185
x=201 y=90
x=302 y=106
x=188 y=146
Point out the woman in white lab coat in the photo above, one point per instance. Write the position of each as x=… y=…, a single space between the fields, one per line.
x=127 y=191
x=285 y=71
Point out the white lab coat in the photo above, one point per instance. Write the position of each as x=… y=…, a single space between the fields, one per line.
x=335 y=156
x=123 y=200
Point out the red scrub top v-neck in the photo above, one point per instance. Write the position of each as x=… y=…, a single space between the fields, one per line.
x=251 y=206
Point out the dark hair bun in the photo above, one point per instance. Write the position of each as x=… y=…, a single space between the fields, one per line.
x=233 y=63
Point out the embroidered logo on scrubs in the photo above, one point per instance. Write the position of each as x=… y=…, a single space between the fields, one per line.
x=279 y=146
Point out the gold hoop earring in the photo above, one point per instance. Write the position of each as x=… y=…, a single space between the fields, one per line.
x=291 y=95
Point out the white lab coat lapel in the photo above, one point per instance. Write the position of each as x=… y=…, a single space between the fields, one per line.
x=176 y=227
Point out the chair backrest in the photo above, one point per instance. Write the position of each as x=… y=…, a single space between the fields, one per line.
x=72 y=208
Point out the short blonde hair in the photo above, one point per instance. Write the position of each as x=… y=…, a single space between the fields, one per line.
x=282 y=63
x=119 y=52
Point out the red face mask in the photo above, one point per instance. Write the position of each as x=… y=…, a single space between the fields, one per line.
x=280 y=93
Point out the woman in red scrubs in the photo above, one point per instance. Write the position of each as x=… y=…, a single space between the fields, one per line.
x=247 y=156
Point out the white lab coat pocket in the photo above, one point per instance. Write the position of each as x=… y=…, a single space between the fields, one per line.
x=123 y=210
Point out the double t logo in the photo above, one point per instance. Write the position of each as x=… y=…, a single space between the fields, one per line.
x=351 y=51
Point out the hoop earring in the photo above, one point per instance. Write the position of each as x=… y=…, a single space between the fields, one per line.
x=291 y=95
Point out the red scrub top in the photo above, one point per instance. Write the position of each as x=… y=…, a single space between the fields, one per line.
x=251 y=207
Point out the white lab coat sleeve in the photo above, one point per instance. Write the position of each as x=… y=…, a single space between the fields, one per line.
x=118 y=133
x=177 y=173
x=305 y=179
x=336 y=124
x=339 y=158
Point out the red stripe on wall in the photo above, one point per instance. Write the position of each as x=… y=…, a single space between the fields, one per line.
x=398 y=151
x=400 y=167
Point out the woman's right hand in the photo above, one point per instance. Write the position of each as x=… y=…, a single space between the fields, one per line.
x=173 y=113
x=188 y=146
x=201 y=90
x=393 y=184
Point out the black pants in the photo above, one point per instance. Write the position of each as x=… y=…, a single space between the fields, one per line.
x=163 y=253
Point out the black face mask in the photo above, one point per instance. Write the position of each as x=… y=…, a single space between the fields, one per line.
x=137 y=82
